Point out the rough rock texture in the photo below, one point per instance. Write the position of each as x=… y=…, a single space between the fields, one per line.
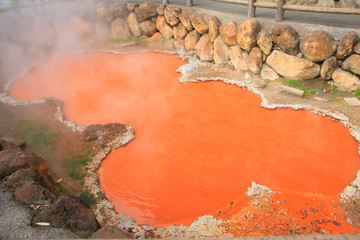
x=264 y=41
x=328 y=67
x=120 y=29
x=221 y=51
x=109 y=232
x=349 y=4
x=82 y=27
x=69 y=212
x=228 y=32
x=134 y=25
x=185 y=18
x=213 y=29
x=357 y=48
x=131 y=6
x=32 y=192
x=346 y=80
x=156 y=37
x=172 y=14
x=246 y=35
x=191 y=40
x=346 y=45
x=292 y=67
x=148 y=28
x=180 y=45
x=6 y=145
x=326 y=3
x=146 y=11
x=180 y=31
x=286 y=38
x=160 y=9
x=164 y=28
x=23 y=175
x=255 y=60
x=352 y=64
x=103 y=13
x=118 y=9
x=10 y=161
x=102 y=30
x=318 y=46
x=205 y=48
x=239 y=58
x=200 y=22
x=15 y=221
x=267 y=73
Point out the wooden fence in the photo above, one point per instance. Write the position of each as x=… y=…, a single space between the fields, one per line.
x=281 y=6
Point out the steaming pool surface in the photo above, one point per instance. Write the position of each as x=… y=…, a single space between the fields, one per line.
x=198 y=146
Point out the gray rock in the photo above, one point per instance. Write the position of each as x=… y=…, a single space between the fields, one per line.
x=15 y=221
x=32 y=192
x=69 y=212
x=24 y=175
x=110 y=232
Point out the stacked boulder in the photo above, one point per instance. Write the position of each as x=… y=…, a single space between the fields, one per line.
x=245 y=46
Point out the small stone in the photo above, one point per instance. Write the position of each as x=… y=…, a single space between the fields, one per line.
x=352 y=101
x=357 y=48
x=172 y=14
x=221 y=51
x=180 y=31
x=352 y=64
x=259 y=84
x=346 y=45
x=200 y=22
x=229 y=32
x=32 y=192
x=255 y=60
x=267 y=73
x=164 y=28
x=185 y=18
x=346 y=80
x=264 y=41
x=328 y=67
x=148 y=28
x=191 y=40
x=205 y=48
x=239 y=58
x=213 y=29
x=286 y=38
x=134 y=25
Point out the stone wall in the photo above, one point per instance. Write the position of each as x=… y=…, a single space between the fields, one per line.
x=245 y=46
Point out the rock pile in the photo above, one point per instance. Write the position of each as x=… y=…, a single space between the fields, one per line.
x=27 y=176
x=245 y=46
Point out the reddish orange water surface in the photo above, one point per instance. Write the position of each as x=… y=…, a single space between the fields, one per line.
x=198 y=146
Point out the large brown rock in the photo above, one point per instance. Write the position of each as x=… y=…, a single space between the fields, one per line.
x=346 y=80
x=148 y=28
x=33 y=193
x=120 y=29
x=228 y=32
x=264 y=41
x=200 y=22
x=134 y=25
x=267 y=73
x=292 y=67
x=119 y=10
x=346 y=45
x=172 y=14
x=246 y=35
x=180 y=31
x=69 y=212
x=10 y=161
x=161 y=9
x=214 y=24
x=24 y=175
x=286 y=38
x=132 y=6
x=185 y=18
x=146 y=11
x=221 y=51
x=328 y=67
x=318 y=46
x=82 y=27
x=352 y=64
x=191 y=40
x=103 y=13
x=357 y=48
x=255 y=60
x=6 y=145
x=109 y=232
x=205 y=48
x=239 y=58
x=164 y=28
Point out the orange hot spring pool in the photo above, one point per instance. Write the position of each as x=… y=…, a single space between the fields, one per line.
x=198 y=146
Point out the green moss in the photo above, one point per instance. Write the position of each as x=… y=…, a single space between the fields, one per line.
x=129 y=39
x=88 y=198
x=39 y=139
x=357 y=94
x=76 y=164
x=294 y=83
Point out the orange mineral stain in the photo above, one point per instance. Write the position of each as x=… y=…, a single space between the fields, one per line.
x=198 y=146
